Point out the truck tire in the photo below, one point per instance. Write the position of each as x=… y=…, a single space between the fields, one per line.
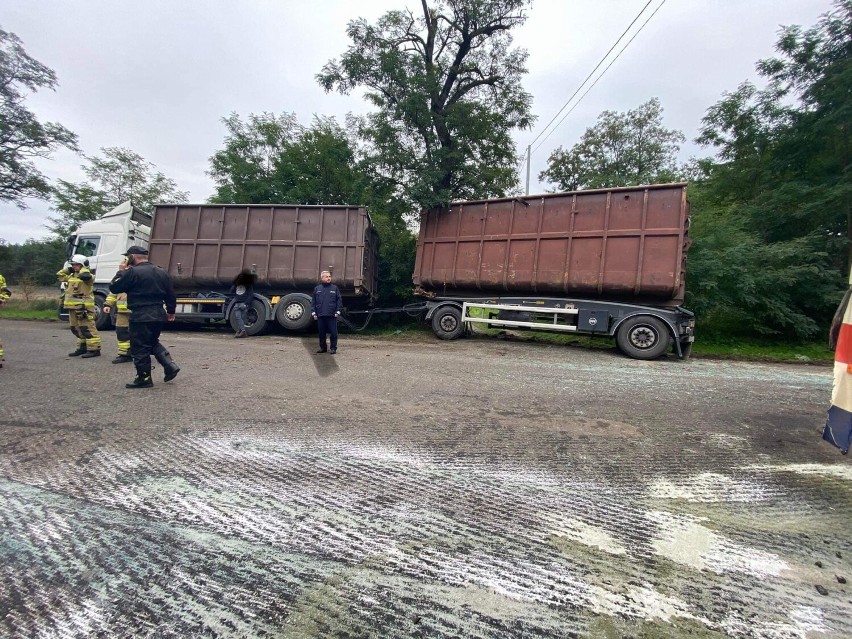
x=255 y=318
x=643 y=337
x=103 y=321
x=447 y=323
x=293 y=312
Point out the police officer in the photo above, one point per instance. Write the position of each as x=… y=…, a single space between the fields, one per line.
x=79 y=301
x=117 y=305
x=148 y=288
x=326 y=304
x=5 y=293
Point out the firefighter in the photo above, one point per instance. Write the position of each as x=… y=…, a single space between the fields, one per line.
x=5 y=293
x=79 y=301
x=117 y=302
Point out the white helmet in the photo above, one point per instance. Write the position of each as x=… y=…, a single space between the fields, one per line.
x=79 y=259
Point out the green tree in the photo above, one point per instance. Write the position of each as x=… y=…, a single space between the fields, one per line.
x=446 y=85
x=22 y=137
x=621 y=149
x=246 y=169
x=778 y=195
x=34 y=259
x=119 y=175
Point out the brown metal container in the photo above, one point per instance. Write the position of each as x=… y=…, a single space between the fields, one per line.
x=621 y=244
x=205 y=246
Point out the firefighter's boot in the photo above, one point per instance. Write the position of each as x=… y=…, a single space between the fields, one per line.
x=142 y=381
x=121 y=359
x=170 y=368
x=81 y=348
x=88 y=354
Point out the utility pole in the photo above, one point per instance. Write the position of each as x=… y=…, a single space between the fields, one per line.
x=528 y=168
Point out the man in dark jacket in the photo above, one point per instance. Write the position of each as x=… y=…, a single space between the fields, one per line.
x=148 y=288
x=326 y=304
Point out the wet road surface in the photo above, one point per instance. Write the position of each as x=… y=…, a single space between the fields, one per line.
x=476 y=488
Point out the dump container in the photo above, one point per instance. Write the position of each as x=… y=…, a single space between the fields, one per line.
x=620 y=244
x=205 y=246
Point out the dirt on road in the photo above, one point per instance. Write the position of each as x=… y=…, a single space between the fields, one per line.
x=475 y=488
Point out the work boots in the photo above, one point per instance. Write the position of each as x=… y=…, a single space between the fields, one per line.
x=88 y=354
x=169 y=367
x=80 y=350
x=121 y=359
x=142 y=381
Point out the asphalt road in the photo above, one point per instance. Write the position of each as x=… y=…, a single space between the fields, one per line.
x=477 y=488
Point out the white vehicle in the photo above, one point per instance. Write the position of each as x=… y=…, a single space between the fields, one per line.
x=104 y=241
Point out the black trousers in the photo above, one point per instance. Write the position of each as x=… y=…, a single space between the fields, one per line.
x=144 y=342
x=327 y=326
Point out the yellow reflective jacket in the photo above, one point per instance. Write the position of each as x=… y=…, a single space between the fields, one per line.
x=118 y=302
x=4 y=292
x=78 y=294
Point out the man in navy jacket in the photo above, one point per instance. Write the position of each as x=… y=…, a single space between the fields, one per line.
x=326 y=304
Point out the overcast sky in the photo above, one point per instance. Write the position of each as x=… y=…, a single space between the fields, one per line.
x=157 y=76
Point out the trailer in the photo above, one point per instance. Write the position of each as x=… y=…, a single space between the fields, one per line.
x=599 y=262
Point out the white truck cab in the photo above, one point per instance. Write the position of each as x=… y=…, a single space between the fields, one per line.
x=104 y=242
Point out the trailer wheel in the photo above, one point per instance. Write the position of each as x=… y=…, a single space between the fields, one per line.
x=447 y=324
x=255 y=318
x=293 y=312
x=103 y=321
x=643 y=337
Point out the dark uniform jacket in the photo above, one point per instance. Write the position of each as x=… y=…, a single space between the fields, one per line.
x=326 y=300
x=148 y=287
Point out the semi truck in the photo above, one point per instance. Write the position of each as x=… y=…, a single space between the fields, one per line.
x=204 y=246
x=601 y=262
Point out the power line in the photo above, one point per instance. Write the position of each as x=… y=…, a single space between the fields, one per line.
x=615 y=44
x=618 y=55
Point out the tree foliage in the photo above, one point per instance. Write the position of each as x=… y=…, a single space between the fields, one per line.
x=621 y=149
x=446 y=84
x=772 y=221
x=22 y=137
x=34 y=259
x=115 y=177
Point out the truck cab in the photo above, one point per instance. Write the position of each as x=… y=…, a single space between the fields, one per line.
x=104 y=242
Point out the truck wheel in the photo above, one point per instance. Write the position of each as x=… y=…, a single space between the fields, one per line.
x=447 y=324
x=293 y=312
x=255 y=318
x=103 y=322
x=643 y=337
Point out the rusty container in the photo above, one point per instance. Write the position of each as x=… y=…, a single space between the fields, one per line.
x=626 y=244
x=205 y=246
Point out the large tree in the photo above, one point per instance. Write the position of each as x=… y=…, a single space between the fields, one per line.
x=115 y=177
x=22 y=137
x=446 y=84
x=273 y=159
x=772 y=222
x=621 y=149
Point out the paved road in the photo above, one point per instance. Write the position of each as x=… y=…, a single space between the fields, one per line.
x=478 y=488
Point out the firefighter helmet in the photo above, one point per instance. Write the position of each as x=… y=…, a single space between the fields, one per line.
x=82 y=260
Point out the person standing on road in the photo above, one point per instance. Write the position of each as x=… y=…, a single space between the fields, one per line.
x=326 y=304
x=243 y=292
x=5 y=294
x=79 y=301
x=148 y=288
x=117 y=303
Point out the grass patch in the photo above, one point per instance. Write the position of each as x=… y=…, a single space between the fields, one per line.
x=762 y=350
x=39 y=309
